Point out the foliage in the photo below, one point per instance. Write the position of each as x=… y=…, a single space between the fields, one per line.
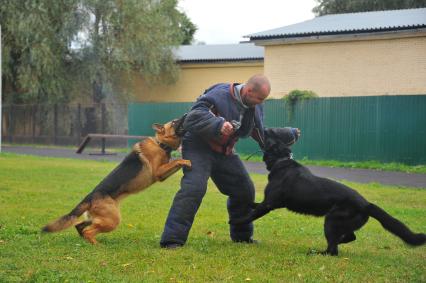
x=34 y=190
x=188 y=28
x=35 y=38
x=298 y=95
x=294 y=96
x=51 y=47
x=326 y=7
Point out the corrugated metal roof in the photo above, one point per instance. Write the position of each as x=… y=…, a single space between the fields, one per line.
x=221 y=52
x=350 y=23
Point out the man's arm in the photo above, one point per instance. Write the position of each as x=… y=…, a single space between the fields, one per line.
x=202 y=121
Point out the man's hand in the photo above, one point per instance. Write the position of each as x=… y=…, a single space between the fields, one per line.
x=227 y=129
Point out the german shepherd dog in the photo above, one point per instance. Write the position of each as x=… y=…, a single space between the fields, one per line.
x=148 y=162
x=293 y=186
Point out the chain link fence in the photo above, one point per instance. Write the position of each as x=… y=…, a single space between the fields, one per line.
x=62 y=124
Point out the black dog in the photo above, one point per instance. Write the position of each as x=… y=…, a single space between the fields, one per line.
x=293 y=186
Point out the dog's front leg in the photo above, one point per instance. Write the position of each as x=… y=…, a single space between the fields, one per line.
x=168 y=169
x=260 y=210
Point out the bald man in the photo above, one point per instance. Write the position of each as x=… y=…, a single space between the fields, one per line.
x=220 y=116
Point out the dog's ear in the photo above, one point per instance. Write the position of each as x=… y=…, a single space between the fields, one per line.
x=158 y=128
x=270 y=139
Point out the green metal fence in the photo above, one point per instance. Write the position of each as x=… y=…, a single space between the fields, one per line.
x=383 y=128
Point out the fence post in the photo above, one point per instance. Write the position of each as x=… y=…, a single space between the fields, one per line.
x=34 y=111
x=103 y=117
x=10 y=123
x=78 y=132
x=55 y=123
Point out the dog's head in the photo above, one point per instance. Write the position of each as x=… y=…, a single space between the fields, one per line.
x=277 y=145
x=178 y=125
x=170 y=133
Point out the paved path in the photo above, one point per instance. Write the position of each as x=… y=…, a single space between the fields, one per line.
x=358 y=175
x=354 y=175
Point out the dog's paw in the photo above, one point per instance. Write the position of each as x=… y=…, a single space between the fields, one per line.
x=186 y=163
x=323 y=253
x=312 y=252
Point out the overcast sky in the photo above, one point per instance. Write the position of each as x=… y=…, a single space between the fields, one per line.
x=227 y=21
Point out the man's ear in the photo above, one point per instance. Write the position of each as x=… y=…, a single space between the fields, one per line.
x=158 y=128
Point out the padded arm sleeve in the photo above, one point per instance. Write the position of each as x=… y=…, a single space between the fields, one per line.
x=202 y=121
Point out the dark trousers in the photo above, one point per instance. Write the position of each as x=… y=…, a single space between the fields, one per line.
x=231 y=178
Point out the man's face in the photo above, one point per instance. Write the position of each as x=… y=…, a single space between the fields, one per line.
x=251 y=98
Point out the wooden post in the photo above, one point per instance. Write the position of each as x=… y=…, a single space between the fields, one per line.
x=55 y=123
x=33 y=116
x=10 y=126
x=78 y=128
x=103 y=118
x=103 y=146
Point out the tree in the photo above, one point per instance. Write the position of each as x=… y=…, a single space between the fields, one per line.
x=326 y=7
x=188 y=29
x=52 y=46
x=35 y=39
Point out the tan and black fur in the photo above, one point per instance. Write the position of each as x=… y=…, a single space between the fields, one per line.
x=148 y=162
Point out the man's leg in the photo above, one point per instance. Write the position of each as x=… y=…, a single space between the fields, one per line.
x=189 y=197
x=233 y=180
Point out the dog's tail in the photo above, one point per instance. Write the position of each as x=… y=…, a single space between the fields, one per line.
x=395 y=226
x=69 y=219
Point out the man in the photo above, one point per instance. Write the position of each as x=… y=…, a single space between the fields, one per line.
x=219 y=117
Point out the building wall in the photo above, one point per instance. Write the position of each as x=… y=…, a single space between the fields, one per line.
x=349 y=68
x=194 y=79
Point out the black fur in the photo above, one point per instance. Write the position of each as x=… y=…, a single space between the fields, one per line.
x=293 y=186
x=123 y=173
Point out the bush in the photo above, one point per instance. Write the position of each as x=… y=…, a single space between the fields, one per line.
x=297 y=95
x=294 y=96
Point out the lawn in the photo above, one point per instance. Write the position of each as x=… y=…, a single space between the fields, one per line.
x=35 y=190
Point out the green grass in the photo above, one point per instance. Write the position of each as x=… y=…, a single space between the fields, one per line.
x=35 y=190
x=376 y=165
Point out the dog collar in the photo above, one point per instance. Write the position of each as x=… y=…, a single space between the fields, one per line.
x=164 y=147
x=290 y=157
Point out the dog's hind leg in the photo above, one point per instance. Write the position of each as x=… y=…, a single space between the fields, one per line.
x=98 y=225
x=350 y=225
x=83 y=224
x=80 y=226
x=105 y=216
x=90 y=233
x=332 y=236
x=336 y=226
x=339 y=226
x=347 y=238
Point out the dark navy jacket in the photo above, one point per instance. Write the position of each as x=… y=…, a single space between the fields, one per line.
x=217 y=105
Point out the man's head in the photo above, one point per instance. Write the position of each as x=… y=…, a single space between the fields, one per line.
x=256 y=90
